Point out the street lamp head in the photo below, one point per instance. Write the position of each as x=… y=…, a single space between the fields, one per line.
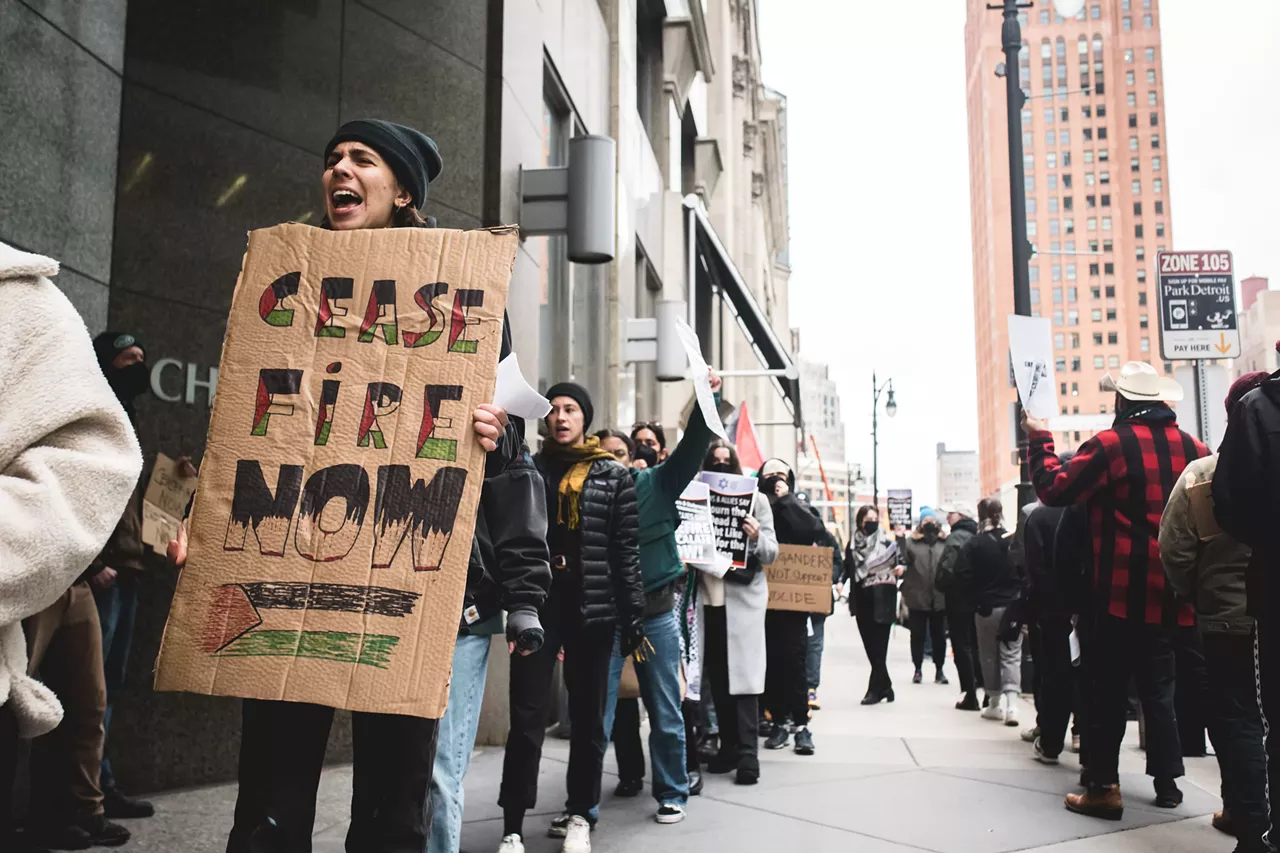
x=890 y=406
x=1000 y=69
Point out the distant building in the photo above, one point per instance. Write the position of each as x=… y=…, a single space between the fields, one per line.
x=1259 y=327
x=1097 y=203
x=959 y=477
x=823 y=426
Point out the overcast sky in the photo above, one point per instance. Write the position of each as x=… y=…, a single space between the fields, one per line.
x=879 y=166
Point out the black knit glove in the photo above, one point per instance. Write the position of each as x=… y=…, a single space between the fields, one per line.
x=525 y=630
x=632 y=637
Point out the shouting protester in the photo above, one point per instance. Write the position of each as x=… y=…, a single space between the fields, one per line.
x=925 y=602
x=658 y=671
x=68 y=463
x=596 y=589
x=1207 y=567
x=734 y=648
x=787 y=632
x=1124 y=475
x=376 y=175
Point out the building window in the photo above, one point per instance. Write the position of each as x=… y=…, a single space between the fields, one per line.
x=1053 y=204
x=1142 y=297
x=1031 y=204
x=1048 y=115
x=650 y=97
x=1064 y=137
x=1071 y=291
x=1102 y=133
x=1109 y=268
x=1095 y=12
x=1066 y=159
x=1142 y=276
x=1106 y=223
x=1067 y=202
x=1137 y=231
x=1075 y=366
x=1137 y=187
x=1155 y=122
x=1157 y=185
x=1029 y=162
x=1132 y=99
x=1093 y=269
x=1035 y=276
x=1029 y=183
x=1159 y=208
x=1155 y=164
x=1133 y=143
x=1125 y=5
x=1055 y=272
x=1066 y=183
x=1073 y=317
x=1059 y=341
x=1126 y=23
x=1088 y=134
x=1096 y=315
x=1057 y=296
x=1031 y=228
x=1104 y=178
x=1075 y=340
x=1133 y=119
x=1151 y=98
x=1057 y=318
x=1044 y=16
x=1098 y=362
x=1151 y=76
x=1128 y=78
x=1088 y=179
x=1135 y=165
x=1060 y=365
x=1137 y=208
x=1106 y=245
x=1028 y=141
x=1147 y=21
x=1151 y=52
x=1102 y=111
x=1144 y=345
x=1111 y=315
x=1159 y=229
x=1142 y=318
x=1071 y=276
x=1053 y=182
x=1113 y=338
x=1051 y=159
x=1091 y=224
x=1097 y=339
x=1111 y=291
x=1049 y=138
x=1106 y=200
x=1141 y=253
x=1155 y=140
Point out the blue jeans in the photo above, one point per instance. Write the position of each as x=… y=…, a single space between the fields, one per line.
x=813 y=658
x=456 y=740
x=659 y=678
x=117 y=611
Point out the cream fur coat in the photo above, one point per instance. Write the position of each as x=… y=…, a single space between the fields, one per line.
x=68 y=462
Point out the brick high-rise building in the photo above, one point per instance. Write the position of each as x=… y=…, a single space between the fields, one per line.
x=1097 y=189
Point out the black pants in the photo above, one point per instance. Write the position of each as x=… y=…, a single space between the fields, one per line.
x=935 y=622
x=1145 y=653
x=786 y=685
x=693 y=730
x=626 y=740
x=1058 y=695
x=964 y=646
x=8 y=774
x=1235 y=723
x=586 y=676
x=1191 y=694
x=738 y=715
x=875 y=640
x=282 y=747
x=1267 y=657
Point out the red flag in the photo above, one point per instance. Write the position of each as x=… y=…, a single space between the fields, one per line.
x=747 y=442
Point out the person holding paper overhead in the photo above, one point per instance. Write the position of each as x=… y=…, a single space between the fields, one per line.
x=657 y=490
x=1124 y=476
x=1207 y=567
x=734 y=648
x=596 y=589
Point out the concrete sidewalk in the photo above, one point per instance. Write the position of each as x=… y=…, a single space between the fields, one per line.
x=915 y=775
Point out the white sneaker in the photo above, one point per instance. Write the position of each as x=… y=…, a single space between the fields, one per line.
x=577 y=837
x=994 y=709
x=670 y=813
x=511 y=844
x=1010 y=707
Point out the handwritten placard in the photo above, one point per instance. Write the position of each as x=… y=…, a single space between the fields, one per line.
x=800 y=579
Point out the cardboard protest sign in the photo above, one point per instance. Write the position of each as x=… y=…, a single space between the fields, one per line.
x=899 y=503
x=695 y=537
x=731 y=497
x=800 y=579
x=165 y=503
x=1031 y=359
x=332 y=524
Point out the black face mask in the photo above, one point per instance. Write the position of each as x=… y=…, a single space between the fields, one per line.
x=870 y=527
x=130 y=382
x=720 y=468
x=929 y=530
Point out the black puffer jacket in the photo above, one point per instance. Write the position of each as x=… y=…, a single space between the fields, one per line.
x=609 y=546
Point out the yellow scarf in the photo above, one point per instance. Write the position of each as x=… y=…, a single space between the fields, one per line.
x=582 y=456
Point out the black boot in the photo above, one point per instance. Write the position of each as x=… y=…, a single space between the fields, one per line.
x=1168 y=796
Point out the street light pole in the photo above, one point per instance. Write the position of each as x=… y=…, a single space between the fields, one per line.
x=890 y=408
x=1011 y=36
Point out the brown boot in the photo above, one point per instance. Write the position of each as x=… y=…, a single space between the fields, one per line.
x=1099 y=801
x=1223 y=822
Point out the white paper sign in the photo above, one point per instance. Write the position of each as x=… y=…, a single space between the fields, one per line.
x=701 y=380
x=512 y=392
x=696 y=535
x=1031 y=351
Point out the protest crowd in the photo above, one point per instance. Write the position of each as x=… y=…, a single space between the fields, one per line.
x=650 y=572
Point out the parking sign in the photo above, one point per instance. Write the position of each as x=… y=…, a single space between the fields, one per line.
x=1197 y=306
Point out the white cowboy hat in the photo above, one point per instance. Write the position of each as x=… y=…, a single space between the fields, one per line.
x=1139 y=381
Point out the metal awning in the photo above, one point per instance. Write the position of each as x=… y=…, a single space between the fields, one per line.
x=710 y=263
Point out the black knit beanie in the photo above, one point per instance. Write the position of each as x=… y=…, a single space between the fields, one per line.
x=411 y=154
x=577 y=393
x=108 y=345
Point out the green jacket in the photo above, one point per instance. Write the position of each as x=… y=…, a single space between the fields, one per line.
x=657 y=490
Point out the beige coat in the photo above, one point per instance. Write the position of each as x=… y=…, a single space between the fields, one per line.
x=68 y=463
